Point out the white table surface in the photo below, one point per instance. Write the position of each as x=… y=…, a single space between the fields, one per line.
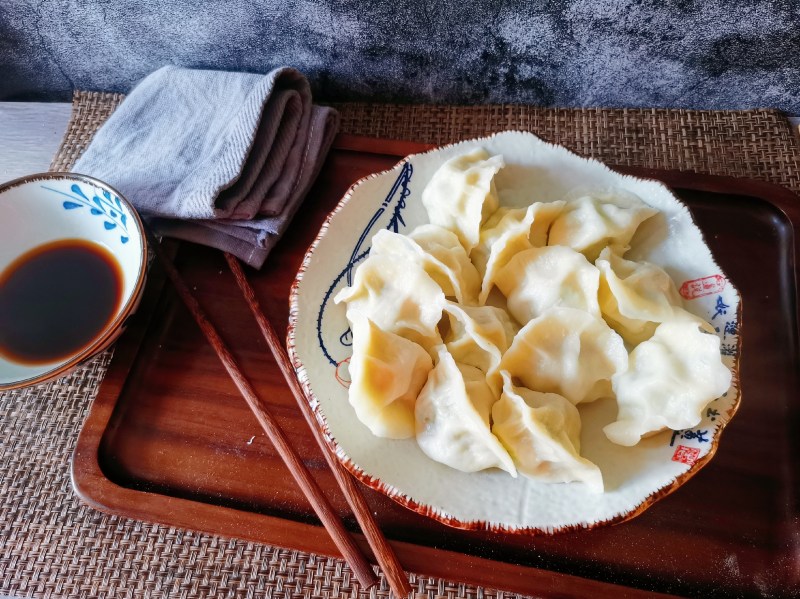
x=30 y=133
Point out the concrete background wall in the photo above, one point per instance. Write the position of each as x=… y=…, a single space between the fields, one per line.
x=671 y=53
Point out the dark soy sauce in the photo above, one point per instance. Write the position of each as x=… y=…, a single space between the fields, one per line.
x=56 y=299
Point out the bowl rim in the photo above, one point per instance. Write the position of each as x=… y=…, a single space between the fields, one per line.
x=112 y=329
x=397 y=495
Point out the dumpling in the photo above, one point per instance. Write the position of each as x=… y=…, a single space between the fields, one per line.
x=591 y=222
x=506 y=233
x=478 y=336
x=387 y=373
x=452 y=416
x=507 y=230
x=545 y=214
x=541 y=278
x=447 y=263
x=569 y=352
x=670 y=380
x=461 y=194
x=398 y=297
x=636 y=296
x=541 y=432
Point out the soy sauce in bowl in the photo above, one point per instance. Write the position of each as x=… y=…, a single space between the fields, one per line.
x=56 y=299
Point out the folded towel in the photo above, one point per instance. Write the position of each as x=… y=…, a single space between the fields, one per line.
x=222 y=159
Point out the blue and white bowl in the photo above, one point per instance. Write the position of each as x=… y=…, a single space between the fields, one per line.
x=49 y=207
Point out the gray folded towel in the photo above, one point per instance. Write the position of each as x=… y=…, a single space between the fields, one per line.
x=222 y=159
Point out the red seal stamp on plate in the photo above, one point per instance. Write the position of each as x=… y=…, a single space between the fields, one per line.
x=704 y=286
x=686 y=455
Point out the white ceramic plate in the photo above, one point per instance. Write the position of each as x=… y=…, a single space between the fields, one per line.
x=635 y=477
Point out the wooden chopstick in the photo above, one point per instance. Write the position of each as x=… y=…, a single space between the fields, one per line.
x=384 y=553
x=344 y=542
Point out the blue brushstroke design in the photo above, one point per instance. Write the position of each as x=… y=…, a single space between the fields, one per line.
x=399 y=191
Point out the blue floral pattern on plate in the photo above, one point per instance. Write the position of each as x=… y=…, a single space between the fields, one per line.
x=105 y=205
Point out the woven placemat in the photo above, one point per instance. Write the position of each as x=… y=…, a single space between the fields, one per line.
x=53 y=546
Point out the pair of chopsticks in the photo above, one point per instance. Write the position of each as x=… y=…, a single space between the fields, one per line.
x=384 y=554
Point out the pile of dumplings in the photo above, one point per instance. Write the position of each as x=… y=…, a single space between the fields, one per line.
x=479 y=333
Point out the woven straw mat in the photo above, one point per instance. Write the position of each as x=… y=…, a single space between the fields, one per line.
x=53 y=546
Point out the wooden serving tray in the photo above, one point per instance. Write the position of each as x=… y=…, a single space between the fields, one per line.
x=169 y=440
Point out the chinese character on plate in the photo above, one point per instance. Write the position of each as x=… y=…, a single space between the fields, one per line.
x=721 y=308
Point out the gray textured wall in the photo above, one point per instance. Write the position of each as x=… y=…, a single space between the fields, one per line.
x=677 y=53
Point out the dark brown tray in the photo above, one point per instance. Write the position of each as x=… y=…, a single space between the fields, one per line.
x=169 y=440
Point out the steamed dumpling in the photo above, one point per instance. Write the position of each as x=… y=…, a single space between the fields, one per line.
x=671 y=378
x=478 y=336
x=387 y=373
x=398 y=297
x=506 y=233
x=636 y=296
x=452 y=418
x=542 y=278
x=569 y=352
x=544 y=215
x=541 y=432
x=449 y=266
x=461 y=194
x=589 y=223
x=447 y=262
